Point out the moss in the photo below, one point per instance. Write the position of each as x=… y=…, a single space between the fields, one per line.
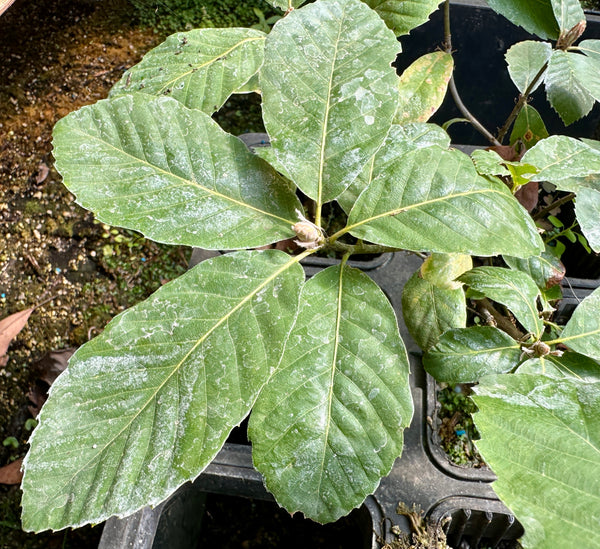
x=168 y=16
x=457 y=430
x=591 y=4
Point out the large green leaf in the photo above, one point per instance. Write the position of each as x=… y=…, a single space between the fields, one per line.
x=535 y=17
x=429 y=310
x=422 y=87
x=146 y=405
x=400 y=140
x=152 y=165
x=201 y=68
x=465 y=355
x=329 y=93
x=541 y=436
x=525 y=60
x=566 y=93
x=434 y=200
x=587 y=210
x=514 y=289
x=561 y=158
x=582 y=332
x=330 y=423
x=402 y=16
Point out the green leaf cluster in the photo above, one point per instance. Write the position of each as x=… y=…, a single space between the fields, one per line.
x=318 y=364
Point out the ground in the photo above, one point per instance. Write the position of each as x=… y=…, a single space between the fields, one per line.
x=58 y=55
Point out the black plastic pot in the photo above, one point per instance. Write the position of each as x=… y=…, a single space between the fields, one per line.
x=480 y=39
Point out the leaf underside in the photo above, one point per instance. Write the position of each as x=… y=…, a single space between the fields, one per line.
x=145 y=406
x=330 y=423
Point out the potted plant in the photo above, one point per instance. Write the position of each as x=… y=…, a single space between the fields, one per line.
x=318 y=365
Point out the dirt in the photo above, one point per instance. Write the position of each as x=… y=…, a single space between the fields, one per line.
x=58 y=55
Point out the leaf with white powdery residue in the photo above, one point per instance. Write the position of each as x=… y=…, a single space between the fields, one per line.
x=525 y=60
x=567 y=95
x=145 y=406
x=514 y=289
x=201 y=68
x=330 y=422
x=568 y=13
x=155 y=166
x=582 y=332
x=286 y=4
x=541 y=436
x=329 y=93
x=560 y=158
x=400 y=140
x=587 y=211
x=434 y=200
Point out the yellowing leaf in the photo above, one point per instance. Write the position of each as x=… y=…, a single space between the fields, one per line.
x=422 y=87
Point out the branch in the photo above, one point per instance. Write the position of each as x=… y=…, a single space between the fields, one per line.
x=521 y=103
x=453 y=89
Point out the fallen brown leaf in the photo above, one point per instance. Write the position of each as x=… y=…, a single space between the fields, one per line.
x=9 y=328
x=43 y=171
x=4 y=5
x=11 y=473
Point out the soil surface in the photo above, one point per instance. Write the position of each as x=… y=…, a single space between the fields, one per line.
x=58 y=55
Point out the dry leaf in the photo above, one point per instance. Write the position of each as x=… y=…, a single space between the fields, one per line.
x=9 y=328
x=11 y=473
x=43 y=172
x=527 y=195
x=4 y=5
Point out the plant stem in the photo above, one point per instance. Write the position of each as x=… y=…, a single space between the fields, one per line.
x=453 y=89
x=520 y=103
x=358 y=248
x=555 y=204
x=503 y=323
